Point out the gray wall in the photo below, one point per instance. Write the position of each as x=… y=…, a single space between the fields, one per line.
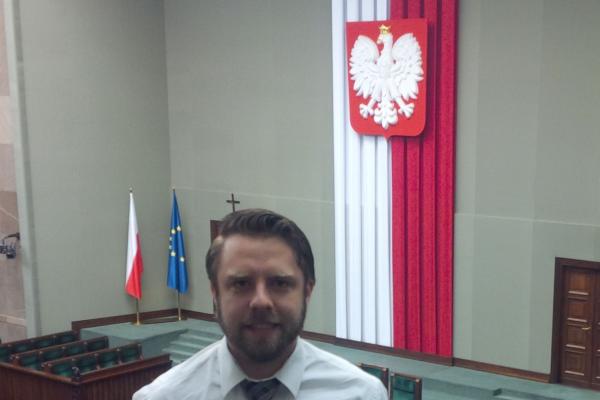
x=94 y=107
x=250 y=112
x=528 y=186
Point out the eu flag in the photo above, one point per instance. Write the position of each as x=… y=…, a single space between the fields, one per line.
x=177 y=273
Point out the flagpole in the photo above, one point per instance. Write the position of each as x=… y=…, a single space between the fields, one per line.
x=178 y=307
x=137 y=313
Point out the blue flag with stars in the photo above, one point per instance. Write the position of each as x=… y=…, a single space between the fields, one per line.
x=177 y=273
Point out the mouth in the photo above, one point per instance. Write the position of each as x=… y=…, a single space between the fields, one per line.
x=261 y=326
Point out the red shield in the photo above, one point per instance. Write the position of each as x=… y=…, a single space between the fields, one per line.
x=387 y=66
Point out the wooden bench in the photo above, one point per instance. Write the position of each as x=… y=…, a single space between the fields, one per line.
x=405 y=387
x=35 y=358
x=381 y=373
x=85 y=379
x=399 y=386
x=40 y=342
x=87 y=362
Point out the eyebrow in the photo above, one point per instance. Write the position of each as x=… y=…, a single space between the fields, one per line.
x=243 y=275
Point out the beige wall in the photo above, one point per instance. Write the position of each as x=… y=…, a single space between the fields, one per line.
x=12 y=305
x=220 y=97
x=528 y=182
x=93 y=122
x=250 y=112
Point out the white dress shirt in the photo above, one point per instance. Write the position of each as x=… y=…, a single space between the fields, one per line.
x=309 y=374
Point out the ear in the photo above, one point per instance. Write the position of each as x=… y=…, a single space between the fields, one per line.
x=308 y=288
x=214 y=291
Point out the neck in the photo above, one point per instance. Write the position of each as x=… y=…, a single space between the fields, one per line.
x=261 y=369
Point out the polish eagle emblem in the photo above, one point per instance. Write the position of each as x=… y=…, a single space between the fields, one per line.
x=388 y=79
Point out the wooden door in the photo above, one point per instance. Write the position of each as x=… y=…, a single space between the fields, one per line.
x=596 y=336
x=579 y=329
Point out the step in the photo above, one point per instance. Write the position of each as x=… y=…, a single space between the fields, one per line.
x=186 y=346
x=189 y=343
x=179 y=353
x=202 y=340
x=206 y=333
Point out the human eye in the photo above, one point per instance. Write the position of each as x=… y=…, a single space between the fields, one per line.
x=282 y=283
x=239 y=283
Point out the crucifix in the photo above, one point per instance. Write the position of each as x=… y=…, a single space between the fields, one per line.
x=215 y=225
x=233 y=202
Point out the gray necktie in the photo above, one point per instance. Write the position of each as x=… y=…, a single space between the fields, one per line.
x=262 y=390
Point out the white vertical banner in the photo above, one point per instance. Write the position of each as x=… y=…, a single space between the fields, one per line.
x=362 y=213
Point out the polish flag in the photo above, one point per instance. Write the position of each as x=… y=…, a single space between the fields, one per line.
x=135 y=265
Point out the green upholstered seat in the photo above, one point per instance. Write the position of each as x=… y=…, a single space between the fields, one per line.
x=64 y=368
x=22 y=347
x=30 y=361
x=43 y=342
x=74 y=349
x=381 y=373
x=108 y=359
x=53 y=354
x=87 y=363
x=130 y=353
x=97 y=344
x=404 y=388
x=5 y=352
x=66 y=337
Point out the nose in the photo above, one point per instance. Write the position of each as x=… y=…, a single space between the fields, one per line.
x=261 y=298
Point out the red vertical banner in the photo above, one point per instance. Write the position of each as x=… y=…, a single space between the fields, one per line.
x=423 y=195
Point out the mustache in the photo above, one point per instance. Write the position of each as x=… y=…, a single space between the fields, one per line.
x=261 y=317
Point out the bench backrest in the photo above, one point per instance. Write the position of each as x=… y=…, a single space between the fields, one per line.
x=34 y=358
x=381 y=373
x=40 y=342
x=83 y=363
x=405 y=387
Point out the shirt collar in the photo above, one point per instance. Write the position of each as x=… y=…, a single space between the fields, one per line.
x=290 y=375
x=231 y=373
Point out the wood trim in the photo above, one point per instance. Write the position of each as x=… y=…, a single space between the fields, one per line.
x=501 y=370
x=199 y=315
x=119 y=319
x=376 y=348
x=430 y=358
x=570 y=262
x=556 y=318
x=560 y=265
x=163 y=361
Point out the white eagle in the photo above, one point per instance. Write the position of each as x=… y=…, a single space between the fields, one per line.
x=390 y=78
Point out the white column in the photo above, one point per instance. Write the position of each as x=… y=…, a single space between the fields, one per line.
x=363 y=305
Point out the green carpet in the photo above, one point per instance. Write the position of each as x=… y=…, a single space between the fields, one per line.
x=183 y=338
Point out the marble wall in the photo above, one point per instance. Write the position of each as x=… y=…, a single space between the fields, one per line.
x=12 y=309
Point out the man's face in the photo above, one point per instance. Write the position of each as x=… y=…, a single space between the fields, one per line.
x=260 y=297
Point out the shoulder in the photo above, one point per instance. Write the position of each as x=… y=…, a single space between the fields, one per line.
x=325 y=368
x=182 y=380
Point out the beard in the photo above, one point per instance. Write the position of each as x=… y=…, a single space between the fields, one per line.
x=286 y=329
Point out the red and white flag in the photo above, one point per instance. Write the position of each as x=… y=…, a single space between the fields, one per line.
x=135 y=265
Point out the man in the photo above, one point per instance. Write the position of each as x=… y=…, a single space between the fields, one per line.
x=261 y=272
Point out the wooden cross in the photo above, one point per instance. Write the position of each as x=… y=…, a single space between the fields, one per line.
x=233 y=202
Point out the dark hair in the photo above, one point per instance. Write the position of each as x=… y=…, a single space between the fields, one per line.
x=256 y=222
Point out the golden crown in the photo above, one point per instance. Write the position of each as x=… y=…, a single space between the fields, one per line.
x=384 y=29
